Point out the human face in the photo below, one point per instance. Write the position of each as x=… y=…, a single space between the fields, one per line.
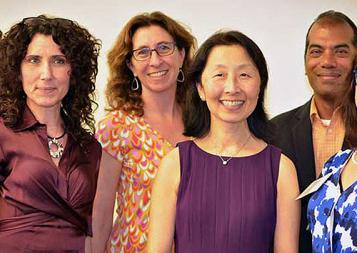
x=158 y=73
x=45 y=73
x=330 y=59
x=230 y=84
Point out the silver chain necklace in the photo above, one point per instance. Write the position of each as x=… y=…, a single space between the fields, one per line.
x=225 y=162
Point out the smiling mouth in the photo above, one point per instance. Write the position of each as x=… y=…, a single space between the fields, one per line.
x=158 y=73
x=232 y=102
x=329 y=75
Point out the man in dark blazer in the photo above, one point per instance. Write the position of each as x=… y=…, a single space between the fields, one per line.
x=330 y=57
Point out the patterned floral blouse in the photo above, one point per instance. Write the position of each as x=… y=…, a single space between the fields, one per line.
x=130 y=140
x=332 y=212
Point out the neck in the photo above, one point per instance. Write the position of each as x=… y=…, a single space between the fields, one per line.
x=163 y=103
x=51 y=117
x=226 y=139
x=326 y=107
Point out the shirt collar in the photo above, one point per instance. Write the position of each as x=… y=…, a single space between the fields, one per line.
x=314 y=114
x=28 y=121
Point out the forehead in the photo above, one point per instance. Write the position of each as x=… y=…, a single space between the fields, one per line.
x=330 y=34
x=150 y=36
x=41 y=43
x=228 y=55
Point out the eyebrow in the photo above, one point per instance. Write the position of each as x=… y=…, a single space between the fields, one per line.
x=244 y=65
x=52 y=56
x=343 y=45
x=160 y=42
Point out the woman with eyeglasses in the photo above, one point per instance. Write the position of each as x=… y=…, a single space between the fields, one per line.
x=145 y=93
x=49 y=158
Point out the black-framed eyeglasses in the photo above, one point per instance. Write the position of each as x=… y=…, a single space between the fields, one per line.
x=162 y=49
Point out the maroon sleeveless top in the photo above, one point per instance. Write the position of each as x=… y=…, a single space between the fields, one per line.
x=226 y=208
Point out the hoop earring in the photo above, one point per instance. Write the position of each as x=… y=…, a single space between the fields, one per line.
x=180 y=76
x=135 y=84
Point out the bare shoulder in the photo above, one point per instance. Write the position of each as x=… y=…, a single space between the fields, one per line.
x=169 y=170
x=172 y=158
x=287 y=179
x=286 y=165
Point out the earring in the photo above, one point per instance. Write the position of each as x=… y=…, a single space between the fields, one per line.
x=135 y=84
x=64 y=110
x=180 y=76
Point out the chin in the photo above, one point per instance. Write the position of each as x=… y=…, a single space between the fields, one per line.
x=233 y=120
x=46 y=104
x=161 y=88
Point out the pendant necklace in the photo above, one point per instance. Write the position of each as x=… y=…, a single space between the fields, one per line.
x=54 y=146
x=225 y=162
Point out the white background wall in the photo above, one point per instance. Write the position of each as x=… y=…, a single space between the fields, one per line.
x=277 y=26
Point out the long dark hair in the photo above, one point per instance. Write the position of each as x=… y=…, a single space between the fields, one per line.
x=349 y=114
x=80 y=48
x=197 y=115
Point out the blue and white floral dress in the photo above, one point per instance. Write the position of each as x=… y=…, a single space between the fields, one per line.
x=332 y=213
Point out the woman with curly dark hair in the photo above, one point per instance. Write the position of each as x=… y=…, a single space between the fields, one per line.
x=145 y=92
x=49 y=158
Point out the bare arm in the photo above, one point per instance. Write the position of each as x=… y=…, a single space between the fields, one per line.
x=288 y=209
x=163 y=205
x=104 y=201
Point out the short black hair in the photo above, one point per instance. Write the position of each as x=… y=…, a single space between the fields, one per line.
x=337 y=17
x=196 y=113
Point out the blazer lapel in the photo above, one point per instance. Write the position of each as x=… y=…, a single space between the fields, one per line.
x=302 y=142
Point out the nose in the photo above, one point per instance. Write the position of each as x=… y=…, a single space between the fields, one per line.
x=45 y=71
x=155 y=58
x=231 y=85
x=328 y=59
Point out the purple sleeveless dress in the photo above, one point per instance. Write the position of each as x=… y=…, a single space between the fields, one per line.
x=226 y=208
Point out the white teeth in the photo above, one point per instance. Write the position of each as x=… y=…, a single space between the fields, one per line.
x=232 y=102
x=159 y=73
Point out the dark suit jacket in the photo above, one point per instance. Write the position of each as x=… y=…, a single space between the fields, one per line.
x=294 y=137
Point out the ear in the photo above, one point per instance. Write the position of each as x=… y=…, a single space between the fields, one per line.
x=130 y=66
x=182 y=54
x=201 y=91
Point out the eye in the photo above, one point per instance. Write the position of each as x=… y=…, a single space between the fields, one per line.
x=315 y=52
x=32 y=59
x=60 y=60
x=163 y=47
x=218 y=75
x=245 y=75
x=142 y=52
x=341 y=52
